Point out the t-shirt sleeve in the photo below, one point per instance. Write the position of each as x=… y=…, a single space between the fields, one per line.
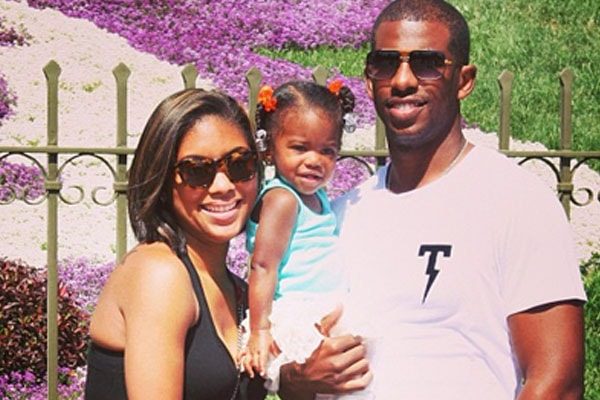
x=537 y=262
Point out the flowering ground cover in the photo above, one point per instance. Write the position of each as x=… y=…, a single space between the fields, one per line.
x=220 y=37
x=7 y=99
x=9 y=36
x=20 y=181
x=16 y=180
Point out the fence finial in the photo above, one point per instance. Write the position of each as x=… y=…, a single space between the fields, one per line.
x=253 y=79
x=320 y=75
x=52 y=71
x=505 y=80
x=566 y=95
x=189 y=73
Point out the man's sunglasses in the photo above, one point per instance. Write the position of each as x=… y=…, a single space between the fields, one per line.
x=425 y=64
x=239 y=165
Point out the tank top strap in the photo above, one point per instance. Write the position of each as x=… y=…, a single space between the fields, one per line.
x=196 y=284
x=238 y=283
x=279 y=182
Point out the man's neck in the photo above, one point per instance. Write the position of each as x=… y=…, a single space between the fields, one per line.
x=412 y=168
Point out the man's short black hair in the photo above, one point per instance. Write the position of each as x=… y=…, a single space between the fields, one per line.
x=430 y=10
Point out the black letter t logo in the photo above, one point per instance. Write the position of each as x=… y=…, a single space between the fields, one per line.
x=433 y=250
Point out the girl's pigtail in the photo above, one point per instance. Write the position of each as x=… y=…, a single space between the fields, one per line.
x=347 y=102
x=347 y=99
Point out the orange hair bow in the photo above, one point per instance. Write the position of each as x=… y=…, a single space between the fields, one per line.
x=266 y=99
x=335 y=86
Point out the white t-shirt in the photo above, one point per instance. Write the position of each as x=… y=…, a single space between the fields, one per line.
x=438 y=270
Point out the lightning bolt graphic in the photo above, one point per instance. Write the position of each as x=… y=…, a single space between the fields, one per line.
x=433 y=250
x=433 y=273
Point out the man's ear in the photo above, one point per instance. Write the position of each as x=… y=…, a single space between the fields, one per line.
x=466 y=82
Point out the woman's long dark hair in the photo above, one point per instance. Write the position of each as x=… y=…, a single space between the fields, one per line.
x=151 y=174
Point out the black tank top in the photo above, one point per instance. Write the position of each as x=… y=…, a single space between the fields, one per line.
x=210 y=372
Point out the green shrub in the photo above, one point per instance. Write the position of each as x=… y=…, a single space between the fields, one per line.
x=23 y=321
x=591 y=270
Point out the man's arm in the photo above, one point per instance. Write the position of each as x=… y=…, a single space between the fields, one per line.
x=548 y=342
x=338 y=365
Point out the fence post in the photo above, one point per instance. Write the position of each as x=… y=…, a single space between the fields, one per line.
x=565 y=186
x=52 y=71
x=253 y=79
x=121 y=74
x=320 y=75
x=505 y=80
x=189 y=75
x=380 y=142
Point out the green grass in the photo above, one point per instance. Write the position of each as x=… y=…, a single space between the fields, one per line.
x=536 y=40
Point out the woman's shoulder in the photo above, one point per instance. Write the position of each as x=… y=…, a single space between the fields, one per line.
x=149 y=284
x=157 y=253
x=153 y=266
x=151 y=276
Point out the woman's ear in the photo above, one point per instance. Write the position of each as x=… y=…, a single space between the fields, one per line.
x=466 y=82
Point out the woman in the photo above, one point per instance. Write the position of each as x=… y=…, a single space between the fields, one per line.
x=166 y=323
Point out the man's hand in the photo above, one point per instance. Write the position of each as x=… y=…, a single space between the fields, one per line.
x=338 y=365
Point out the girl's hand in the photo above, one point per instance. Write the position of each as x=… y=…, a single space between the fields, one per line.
x=256 y=355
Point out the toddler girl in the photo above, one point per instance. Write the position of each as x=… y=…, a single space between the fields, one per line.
x=292 y=232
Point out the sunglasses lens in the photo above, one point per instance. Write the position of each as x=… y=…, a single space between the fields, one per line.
x=426 y=64
x=198 y=172
x=382 y=64
x=241 y=166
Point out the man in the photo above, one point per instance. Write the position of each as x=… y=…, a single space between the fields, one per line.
x=464 y=260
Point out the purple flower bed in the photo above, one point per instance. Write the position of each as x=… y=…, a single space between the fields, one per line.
x=20 y=181
x=8 y=100
x=10 y=36
x=219 y=36
x=84 y=278
x=24 y=385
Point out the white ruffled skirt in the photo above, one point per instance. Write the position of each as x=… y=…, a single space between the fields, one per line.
x=295 y=319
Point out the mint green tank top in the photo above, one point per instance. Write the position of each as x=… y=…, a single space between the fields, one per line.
x=310 y=264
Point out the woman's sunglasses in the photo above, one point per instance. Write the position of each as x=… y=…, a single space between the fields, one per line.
x=239 y=165
x=425 y=64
